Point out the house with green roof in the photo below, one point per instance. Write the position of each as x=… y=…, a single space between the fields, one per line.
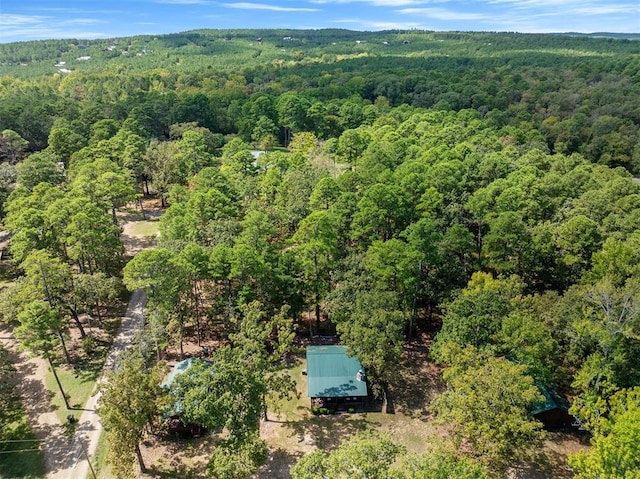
x=173 y=416
x=335 y=380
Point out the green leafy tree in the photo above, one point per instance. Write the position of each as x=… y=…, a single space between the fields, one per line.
x=106 y=184
x=352 y=144
x=486 y=404
x=8 y=178
x=381 y=214
x=162 y=168
x=226 y=393
x=40 y=329
x=394 y=264
x=91 y=239
x=27 y=216
x=475 y=315
x=615 y=451
x=239 y=165
x=265 y=132
x=315 y=242
x=603 y=337
x=292 y=198
x=364 y=456
x=12 y=146
x=325 y=193
x=504 y=245
x=64 y=142
x=41 y=167
x=192 y=153
x=165 y=279
x=237 y=460
x=292 y=113
x=439 y=464
x=130 y=400
x=265 y=342
x=50 y=279
x=7 y=393
x=578 y=238
x=529 y=341
x=372 y=328
x=97 y=291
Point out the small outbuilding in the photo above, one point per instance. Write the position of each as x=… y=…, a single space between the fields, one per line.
x=173 y=419
x=335 y=380
x=553 y=411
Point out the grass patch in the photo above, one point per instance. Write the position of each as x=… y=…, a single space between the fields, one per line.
x=296 y=408
x=27 y=460
x=145 y=228
x=99 y=460
x=77 y=388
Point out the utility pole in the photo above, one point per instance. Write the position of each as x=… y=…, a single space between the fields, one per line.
x=64 y=346
x=415 y=300
x=86 y=456
x=55 y=375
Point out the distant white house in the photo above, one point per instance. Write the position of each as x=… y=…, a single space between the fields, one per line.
x=60 y=64
x=84 y=58
x=64 y=70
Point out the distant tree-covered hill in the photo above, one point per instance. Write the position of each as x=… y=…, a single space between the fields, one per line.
x=581 y=93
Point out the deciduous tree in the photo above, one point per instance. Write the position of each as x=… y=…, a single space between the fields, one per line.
x=130 y=399
x=486 y=403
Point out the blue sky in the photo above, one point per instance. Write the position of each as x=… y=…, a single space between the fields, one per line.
x=89 y=19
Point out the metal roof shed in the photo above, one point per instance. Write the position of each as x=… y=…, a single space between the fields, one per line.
x=553 y=410
x=333 y=374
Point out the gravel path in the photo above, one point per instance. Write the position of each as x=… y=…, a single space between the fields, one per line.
x=89 y=426
x=30 y=380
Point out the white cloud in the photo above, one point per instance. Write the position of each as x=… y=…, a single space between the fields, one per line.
x=382 y=3
x=571 y=7
x=262 y=6
x=443 y=14
x=539 y=3
x=48 y=33
x=608 y=10
x=184 y=2
x=8 y=19
x=81 y=21
x=44 y=27
x=78 y=11
x=374 y=25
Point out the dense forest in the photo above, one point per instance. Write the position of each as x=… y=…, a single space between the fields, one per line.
x=475 y=189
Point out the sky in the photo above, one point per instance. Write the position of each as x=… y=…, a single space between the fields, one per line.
x=22 y=20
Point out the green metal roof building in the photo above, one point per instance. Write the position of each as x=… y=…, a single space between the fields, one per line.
x=553 y=410
x=334 y=376
x=179 y=368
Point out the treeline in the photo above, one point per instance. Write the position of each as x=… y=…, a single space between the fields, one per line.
x=582 y=94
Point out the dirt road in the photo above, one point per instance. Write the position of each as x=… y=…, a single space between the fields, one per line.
x=65 y=457
x=89 y=426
